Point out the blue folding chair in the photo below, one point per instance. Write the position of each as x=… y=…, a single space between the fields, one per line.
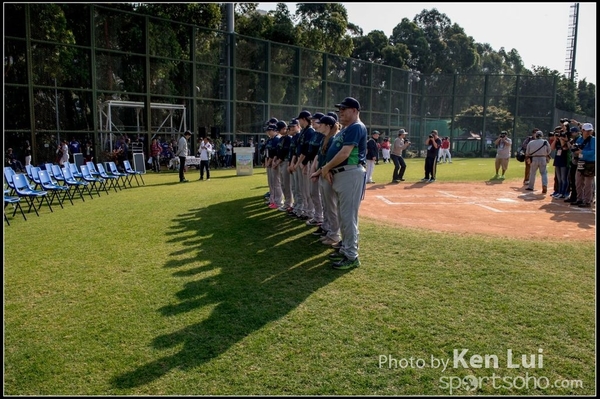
x=57 y=174
x=132 y=172
x=73 y=168
x=15 y=202
x=77 y=185
x=92 y=167
x=35 y=176
x=122 y=176
x=111 y=180
x=24 y=190
x=54 y=188
x=97 y=183
x=8 y=176
x=48 y=167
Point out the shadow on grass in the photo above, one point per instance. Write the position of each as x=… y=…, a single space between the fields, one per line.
x=255 y=277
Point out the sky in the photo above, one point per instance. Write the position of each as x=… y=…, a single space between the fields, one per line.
x=538 y=31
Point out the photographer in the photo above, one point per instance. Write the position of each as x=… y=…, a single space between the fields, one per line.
x=400 y=144
x=585 y=149
x=574 y=158
x=433 y=144
x=503 y=144
x=560 y=147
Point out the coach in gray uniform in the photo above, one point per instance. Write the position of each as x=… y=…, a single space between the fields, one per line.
x=344 y=169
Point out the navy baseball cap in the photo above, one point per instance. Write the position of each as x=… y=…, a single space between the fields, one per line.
x=317 y=116
x=333 y=115
x=272 y=121
x=349 y=102
x=574 y=129
x=328 y=120
x=272 y=127
x=280 y=125
x=293 y=122
x=304 y=114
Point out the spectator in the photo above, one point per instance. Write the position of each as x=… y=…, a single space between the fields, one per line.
x=27 y=151
x=503 y=144
x=205 y=151
x=445 y=151
x=182 y=153
x=385 y=150
x=12 y=161
x=62 y=153
x=155 y=150
x=228 y=153
x=88 y=151
x=74 y=148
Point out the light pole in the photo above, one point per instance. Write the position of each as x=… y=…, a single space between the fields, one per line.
x=411 y=78
x=398 y=111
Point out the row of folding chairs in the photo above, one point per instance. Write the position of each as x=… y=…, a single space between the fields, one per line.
x=63 y=183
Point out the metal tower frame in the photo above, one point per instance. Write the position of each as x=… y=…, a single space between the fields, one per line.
x=572 y=41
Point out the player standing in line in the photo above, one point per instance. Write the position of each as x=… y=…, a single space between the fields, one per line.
x=344 y=169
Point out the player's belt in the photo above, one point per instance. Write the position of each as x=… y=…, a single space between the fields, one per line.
x=343 y=168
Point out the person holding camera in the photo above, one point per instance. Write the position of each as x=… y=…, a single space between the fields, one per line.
x=571 y=197
x=560 y=148
x=585 y=149
x=400 y=144
x=537 y=153
x=433 y=144
x=503 y=144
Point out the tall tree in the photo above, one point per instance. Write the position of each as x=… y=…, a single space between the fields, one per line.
x=409 y=35
x=370 y=47
x=434 y=26
x=324 y=27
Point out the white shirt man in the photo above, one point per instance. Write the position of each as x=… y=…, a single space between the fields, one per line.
x=205 y=153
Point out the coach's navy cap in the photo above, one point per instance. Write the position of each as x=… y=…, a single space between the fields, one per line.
x=349 y=102
x=304 y=114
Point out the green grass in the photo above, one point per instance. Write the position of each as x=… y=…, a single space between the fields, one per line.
x=200 y=289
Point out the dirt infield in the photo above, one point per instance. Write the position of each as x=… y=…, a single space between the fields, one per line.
x=502 y=208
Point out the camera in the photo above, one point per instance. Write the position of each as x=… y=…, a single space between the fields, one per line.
x=502 y=134
x=431 y=136
x=576 y=147
x=562 y=134
x=565 y=121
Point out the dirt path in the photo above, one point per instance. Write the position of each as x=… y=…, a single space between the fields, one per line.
x=495 y=209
